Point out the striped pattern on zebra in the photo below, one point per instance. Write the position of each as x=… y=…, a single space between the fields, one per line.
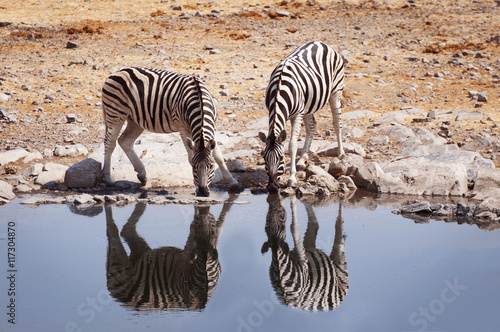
x=305 y=277
x=161 y=101
x=301 y=84
x=166 y=278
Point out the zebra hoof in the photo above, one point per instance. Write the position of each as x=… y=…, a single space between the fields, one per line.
x=108 y=180
x=236 y=188
x=292 y=183
x=143 y=178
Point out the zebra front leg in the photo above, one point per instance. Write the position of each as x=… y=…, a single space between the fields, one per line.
x=310 y=124
x=335 y=105
x=296 y=122
x=126 y=141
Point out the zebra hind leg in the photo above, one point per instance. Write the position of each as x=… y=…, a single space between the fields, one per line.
x=310 y=124
x=234 y=186
x=112 y=132
x=126 y=141
x=335 y=104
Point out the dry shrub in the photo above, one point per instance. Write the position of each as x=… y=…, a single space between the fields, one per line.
x=239 y=36
x=252 y=15
x=158 y=13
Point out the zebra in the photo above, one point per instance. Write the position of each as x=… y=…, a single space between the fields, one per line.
x=301 y=84
x=167 y=278
x=162 y=101
x=305 y=277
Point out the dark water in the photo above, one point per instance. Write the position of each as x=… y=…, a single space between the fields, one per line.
x=181 y=268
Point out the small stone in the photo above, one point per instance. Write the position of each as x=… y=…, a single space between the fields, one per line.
x=72 y=45
x=70 y=118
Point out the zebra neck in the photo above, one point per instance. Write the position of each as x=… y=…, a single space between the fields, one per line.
x=200 y=124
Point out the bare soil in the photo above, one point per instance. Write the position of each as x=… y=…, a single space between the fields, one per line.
x=399 y=54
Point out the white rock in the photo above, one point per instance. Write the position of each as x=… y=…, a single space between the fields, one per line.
x=52 y=173
x=12 y=155
x=6 y=191
x=35 y=155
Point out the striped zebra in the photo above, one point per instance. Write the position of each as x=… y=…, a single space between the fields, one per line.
x=166 y=278
x=301 y=84
x=305 y=277
x=162 y=102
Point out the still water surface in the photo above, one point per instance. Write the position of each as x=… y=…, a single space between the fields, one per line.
x=269 y=265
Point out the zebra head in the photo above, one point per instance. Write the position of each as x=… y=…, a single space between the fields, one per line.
x=203 y=166
x=274 y=157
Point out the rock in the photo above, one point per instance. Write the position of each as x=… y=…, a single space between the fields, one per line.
x=85 y=174
x=400 y=116
x=70 y=150
x=446 y=154
x=12 y=155
x=35 y=155
x=354 y=115
x=4 y=98
x=52 y=174
x=431 y=178
x=331 y=150
x=482 y=96
x=417 y=207
x=398 y=132
x=70 y=118
x=6 y=191
x=487 y=183
x=345 y=166
x=489 y=208
x=348 y=181
x=36 y=169
x=318 y=182
x=367 y=176
x=283 y=13
x=72 y=45
x=81 y=199
x=234 y=165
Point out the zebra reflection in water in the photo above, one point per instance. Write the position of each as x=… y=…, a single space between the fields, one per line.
x=305 y=277
x=166 y=278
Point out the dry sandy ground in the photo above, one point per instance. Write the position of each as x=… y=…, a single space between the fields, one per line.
x=46 y=80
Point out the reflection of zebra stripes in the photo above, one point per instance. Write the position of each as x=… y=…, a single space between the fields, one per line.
x=305 y=277
x=300 y=85
x=166 y=278
x=162 y=102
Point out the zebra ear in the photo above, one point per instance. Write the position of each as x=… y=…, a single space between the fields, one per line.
x=211 y=145
x=190 y=143
x=282 y=137
x=262 y=136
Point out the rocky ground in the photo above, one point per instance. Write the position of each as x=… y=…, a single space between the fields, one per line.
x=432 y=68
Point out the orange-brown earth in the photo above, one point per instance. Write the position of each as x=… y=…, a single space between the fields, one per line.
x=46 y=80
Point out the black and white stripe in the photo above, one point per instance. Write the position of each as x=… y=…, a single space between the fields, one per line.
x=166 y=278
x=161 y=101
x=301 y=84
x=305 y=277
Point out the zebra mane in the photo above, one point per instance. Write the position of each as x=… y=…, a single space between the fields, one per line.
x=196 y=80
x=278 y=88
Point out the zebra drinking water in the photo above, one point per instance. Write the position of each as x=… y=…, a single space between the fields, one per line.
x=301 y=84
x=162 y=102
x=165 y=278
x=305 y=277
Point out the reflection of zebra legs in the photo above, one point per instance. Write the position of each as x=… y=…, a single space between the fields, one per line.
x=167 y=277
x=305 y=277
